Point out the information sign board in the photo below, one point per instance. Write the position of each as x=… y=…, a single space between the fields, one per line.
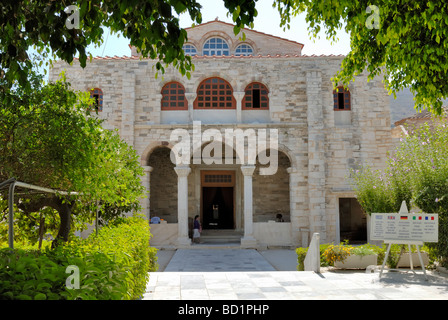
x=404 y=227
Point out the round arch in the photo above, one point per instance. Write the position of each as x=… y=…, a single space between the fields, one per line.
x=150 y=148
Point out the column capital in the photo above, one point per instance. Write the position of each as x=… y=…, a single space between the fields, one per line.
x=239 y=95
x=191 y=96
x=248 y=170
x=147 y=169
x=182 y=171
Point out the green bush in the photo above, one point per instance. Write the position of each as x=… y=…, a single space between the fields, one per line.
x=113 y=265
x=301 y=255
x=417 y=172
x=329 y=249
x=30 y=275
x=126 y=243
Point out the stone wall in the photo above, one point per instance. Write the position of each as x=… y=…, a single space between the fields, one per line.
x=321 y=153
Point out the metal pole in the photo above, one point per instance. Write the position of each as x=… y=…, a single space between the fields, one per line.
x=11 y=215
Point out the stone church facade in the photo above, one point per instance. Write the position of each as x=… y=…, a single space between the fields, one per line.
x=261 y=83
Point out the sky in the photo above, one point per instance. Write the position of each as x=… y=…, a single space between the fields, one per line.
x=267 y=21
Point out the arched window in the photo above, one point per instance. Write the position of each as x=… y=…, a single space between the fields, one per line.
x=244 y=50
x=97 y=95
x=173 y=97
x=256 y=97
x=190 y=50
x=215 y=93
x=217 y=47
x=341 y=98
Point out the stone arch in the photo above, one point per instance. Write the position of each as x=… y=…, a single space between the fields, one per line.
x=150 y=148
x=248 y=42
x=213 y=34
x=271 y=193
x=163 y=184
x=204 y=144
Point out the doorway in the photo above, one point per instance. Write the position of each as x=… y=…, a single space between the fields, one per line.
x=353 y=222
x=218 y=199
x=217 y=208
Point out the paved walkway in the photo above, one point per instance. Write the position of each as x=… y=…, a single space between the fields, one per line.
x=229 y=274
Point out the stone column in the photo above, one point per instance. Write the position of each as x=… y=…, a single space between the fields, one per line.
x=145 y=203
x=239 y=106
x=191 y=97
x=182 y=205
x=248 y=239
x=316 y=154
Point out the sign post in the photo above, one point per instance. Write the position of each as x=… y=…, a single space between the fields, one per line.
x=405 y=228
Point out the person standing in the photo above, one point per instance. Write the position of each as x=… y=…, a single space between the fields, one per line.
x=197 y=229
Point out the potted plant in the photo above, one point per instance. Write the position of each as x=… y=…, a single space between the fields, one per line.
x=344 y=256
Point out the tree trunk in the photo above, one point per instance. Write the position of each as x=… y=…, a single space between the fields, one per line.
x=65 y=212
x=41 y=229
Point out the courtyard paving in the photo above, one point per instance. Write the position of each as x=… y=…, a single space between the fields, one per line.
x=240 y=274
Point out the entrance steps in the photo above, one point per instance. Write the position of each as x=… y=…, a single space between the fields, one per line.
x=221 y=237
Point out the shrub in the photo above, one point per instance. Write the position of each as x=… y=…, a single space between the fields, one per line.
x=416 y=173
x=329 y=253
x=30 y=275
x=336 y=253
x=301 y=255
x=112 y=266
x=126 y=243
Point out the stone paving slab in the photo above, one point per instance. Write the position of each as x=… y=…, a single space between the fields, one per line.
x=292 y=285
x=246 y=275
x=206 y=260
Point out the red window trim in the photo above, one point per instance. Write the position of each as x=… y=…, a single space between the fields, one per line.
x=99 y=92
x=264 y=93
x=346 y=99
x=173 y=93
x=212 y=91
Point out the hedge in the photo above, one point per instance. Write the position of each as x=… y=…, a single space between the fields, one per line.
x=112 y=265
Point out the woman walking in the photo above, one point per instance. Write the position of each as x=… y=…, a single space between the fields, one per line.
x=197 y=229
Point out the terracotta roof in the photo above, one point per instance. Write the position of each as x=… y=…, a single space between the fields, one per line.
x=223 y=57
x=246 y=29
x=423 y=115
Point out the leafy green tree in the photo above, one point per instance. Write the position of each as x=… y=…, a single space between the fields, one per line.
x=49 y=138
x=417 y=172
x=152 y=26
x=407 y=40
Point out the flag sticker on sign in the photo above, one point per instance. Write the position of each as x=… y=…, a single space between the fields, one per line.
x=403 y=217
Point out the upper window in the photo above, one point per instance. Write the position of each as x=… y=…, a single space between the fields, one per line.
x=217 y=47
x=244 y=50
x=97 y=95
x=215 y=93
x=341 y=98
x=256 y=97
x=190 y=50
x=173 y=97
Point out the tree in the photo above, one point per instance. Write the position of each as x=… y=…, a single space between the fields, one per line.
x=407 y=40
x=50 y=138
x=52 y=26
x=417 y=172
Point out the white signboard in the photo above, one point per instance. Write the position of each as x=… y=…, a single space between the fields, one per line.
x=404 y=227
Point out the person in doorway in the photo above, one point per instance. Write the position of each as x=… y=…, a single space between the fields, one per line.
x=197 y=229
